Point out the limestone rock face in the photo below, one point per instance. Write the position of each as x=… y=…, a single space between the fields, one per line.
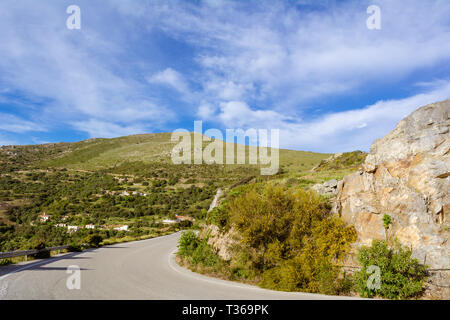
x=329 y=187
x=222 y=242
x=406 y=175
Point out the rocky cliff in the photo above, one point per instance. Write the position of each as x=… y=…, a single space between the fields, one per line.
x=406 y=175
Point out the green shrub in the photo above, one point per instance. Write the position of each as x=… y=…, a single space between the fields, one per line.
x=332 y=281
x=205 y=255
x=291 y=240
x=93 y=240
x=185 y=224
x=387 y=221
x=74 y=248
x=241 y=265
x=218 y=216
x=401 y=276
x=5 y=262
x=292 y=182
x=188 y=243
x=199 y=253
x=41 y=246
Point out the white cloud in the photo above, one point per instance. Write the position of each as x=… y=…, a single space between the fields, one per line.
x=206 y=111
x=102 y=129
x=15 y=124
x=4 y=141
x=282 y=59
x=334 y=131
x=357 y=129
x=70 y=76
x=237 y=114
x=294 y=56
x=257 y=64
x=227 y=90
x=171 y=78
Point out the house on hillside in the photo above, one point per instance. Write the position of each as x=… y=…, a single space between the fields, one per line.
x=60 y=225
x=169 y=221
x=184 y=218
x=90 y=226
x=136 y=193
x=118 y=227
x=73 y=229
x=44 y=217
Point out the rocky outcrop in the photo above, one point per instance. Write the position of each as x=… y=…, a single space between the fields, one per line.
x=325 y=161
x=406 y=175
x=222 y=242
x=344 y=161
x=328 y=188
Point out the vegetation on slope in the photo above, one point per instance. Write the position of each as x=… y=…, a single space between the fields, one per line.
x=400 y=275
x=107 y=182
x=288 y=242
x=346 y=161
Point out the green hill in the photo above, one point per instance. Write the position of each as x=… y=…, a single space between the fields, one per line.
x=149 y=149
x=95 y=154
x=128 y=180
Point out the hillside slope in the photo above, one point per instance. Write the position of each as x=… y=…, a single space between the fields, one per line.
x=109 y=182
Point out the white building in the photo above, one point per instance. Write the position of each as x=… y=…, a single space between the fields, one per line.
x=89 y=226
x=73 y=228
x=135 y=193
x=169 y=221
x=44 y=217
x=184 y=218
x=121 y=228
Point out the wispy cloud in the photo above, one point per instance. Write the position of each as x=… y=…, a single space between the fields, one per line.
x=239 y=114
x=170 y=78
x=294 y=56
x=4 y=141
x=15 y=124
x=103 y=129
x=334 y=131
x=79 y=75
x=141 y=66
x=358 y=129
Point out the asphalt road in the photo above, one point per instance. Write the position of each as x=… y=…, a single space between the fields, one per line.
x=134 y=270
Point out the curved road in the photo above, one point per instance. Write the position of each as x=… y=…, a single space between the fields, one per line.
x=135 y=270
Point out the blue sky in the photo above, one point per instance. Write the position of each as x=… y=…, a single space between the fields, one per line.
x=309 y=68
